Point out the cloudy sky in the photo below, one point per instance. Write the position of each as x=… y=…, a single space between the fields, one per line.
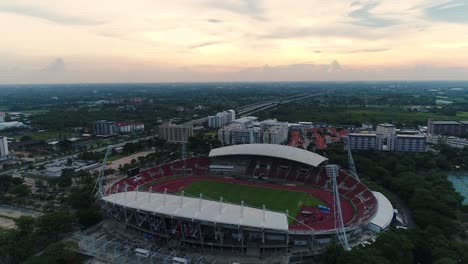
x=55 y=41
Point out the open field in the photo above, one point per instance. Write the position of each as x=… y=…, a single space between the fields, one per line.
x=9 y=213
x=346 y=115
x=274 y=199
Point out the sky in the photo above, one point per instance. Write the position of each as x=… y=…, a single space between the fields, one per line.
x=88 y=41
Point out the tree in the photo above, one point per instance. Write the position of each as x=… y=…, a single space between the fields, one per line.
x=52 y=226
x=89 y=216
x=41 y=186
x=21 y=190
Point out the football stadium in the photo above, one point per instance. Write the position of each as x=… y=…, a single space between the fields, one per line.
x=253 y=197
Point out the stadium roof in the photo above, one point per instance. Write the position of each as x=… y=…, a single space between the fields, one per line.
x=209 y=211
x=271 y=150
x=384 y=214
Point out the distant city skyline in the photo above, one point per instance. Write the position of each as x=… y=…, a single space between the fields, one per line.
x=232 y=40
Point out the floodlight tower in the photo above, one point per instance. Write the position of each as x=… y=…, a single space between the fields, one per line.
x=98 y=188
x=332 y=172
x=352 y=167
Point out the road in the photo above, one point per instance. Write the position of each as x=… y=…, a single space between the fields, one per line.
x=257 y=107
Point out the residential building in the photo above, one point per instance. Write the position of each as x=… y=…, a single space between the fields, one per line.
x=3 y=148
x=409 y=143
x=175 y=133
x=221 y=119
x=464 y=129
x=395 y=142
x=239 y=133
x=104 y=128
x=358 y=141
x=446 y=128
x=454 y=142
x=125 y=127
x=385 y=129
x=275 y=135
x=274 y=132
x=247 y=131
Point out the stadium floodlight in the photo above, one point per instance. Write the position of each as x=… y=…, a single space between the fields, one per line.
x=352 y=167
x=98 y=187
x=332 y=172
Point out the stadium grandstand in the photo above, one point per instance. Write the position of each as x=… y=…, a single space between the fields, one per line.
x=265 y=197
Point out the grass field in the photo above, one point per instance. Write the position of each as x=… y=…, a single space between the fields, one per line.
x=274 y=199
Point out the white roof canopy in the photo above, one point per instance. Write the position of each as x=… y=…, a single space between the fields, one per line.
x=384 y=215
x=271 y=150
x=200 y=209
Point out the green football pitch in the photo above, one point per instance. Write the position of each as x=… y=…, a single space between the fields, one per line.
x=273 y=199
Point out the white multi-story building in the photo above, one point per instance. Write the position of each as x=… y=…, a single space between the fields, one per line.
x=409 y=143
x=275 y=135
x=3 y=148
x=238 y=133
x=247 y=131
x=274 y=132
x=125 y=127
x=221 y=119
x=359 y=141
x=386 y=129
x=454 y=142
x=396 y=142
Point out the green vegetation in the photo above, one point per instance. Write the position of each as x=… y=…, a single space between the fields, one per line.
x=420 y=181
x=311 y=111
x=32 y=234
x=273 y=199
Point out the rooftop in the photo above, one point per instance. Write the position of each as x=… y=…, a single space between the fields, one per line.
x=271 y=150
x=384 y=215
x=246 y=119
x=362 y=135
x=411 y=136
x=386 y=125
x=200 y=209
x=445 y=122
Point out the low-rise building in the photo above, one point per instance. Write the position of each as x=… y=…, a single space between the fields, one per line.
x=454 y=142
x=2 y=117
x=11 y=125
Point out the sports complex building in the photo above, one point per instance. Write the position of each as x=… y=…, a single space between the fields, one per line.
x=264 y=197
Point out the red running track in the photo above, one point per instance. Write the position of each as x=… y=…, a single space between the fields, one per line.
x=316 y=220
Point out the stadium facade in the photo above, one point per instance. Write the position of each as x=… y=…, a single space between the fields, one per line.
x=153 y=203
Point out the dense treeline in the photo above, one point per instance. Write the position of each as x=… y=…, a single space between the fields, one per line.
x=420 y=181
x=32 y=235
